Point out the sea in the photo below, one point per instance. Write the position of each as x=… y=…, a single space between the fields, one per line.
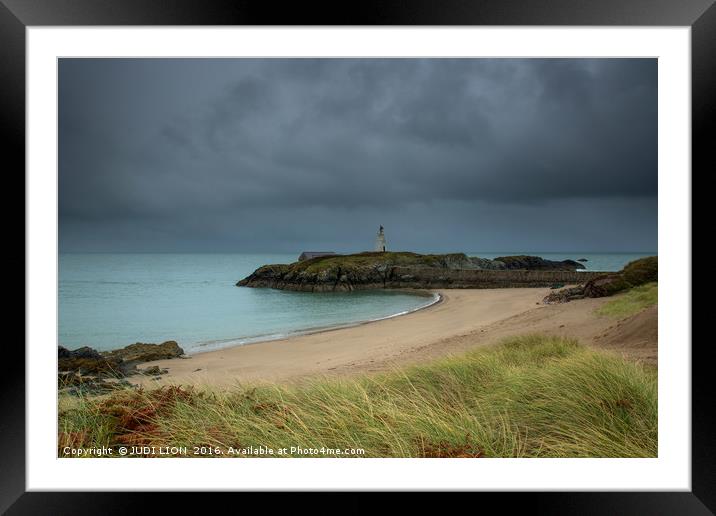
x=107 y=301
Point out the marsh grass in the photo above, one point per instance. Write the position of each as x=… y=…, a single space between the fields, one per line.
x=631 y=302
x=532 y=396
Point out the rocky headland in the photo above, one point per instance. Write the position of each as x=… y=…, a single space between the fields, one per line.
x=373 y=270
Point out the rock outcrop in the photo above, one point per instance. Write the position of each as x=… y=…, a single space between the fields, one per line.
x=89 y=370
x=86 y=361
x=565 y=295
x=410 y=270
x=141 y=352
x=535 y=263
x=638 y=272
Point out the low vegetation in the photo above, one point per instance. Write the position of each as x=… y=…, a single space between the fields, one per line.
x=532 y=396
x=644 y=270
x=370 y=259
x=631 y=302
x=634 y=274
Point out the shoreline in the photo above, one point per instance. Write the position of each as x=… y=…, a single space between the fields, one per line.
x=361 y=347
x=462 y=320
x=260 y=339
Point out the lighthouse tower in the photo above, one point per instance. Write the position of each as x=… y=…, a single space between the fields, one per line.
x=380 y=241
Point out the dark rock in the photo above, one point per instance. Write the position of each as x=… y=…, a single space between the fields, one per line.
x=485 y=264
x=266 y=274
x=154 y=370
x=86 y=352
x=83 y=352
x=564 y=295
x=141 y=352
x=535 y=263
x=86 y=365
x=606 y=285
x=86 y=361
x=582 y=260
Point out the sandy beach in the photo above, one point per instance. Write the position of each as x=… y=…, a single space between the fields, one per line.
x=463 y=320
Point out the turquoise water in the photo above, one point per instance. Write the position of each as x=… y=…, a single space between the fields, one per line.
x=107 y=301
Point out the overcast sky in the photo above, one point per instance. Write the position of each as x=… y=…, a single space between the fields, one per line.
x=287 y=155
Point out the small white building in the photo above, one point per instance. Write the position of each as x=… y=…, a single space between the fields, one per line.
x=380 y=245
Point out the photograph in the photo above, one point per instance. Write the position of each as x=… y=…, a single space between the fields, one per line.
x=357 y=257
x=400 y=248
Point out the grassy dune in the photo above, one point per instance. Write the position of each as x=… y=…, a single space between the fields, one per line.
x=631 y=302
x=532 y=396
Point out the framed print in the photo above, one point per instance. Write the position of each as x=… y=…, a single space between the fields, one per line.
x=411 y=250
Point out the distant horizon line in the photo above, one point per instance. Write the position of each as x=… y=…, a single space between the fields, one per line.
x=356 y=252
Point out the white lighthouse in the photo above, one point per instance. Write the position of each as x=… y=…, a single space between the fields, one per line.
x=380 y=241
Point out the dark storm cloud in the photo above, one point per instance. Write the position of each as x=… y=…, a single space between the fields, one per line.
x=286 y=154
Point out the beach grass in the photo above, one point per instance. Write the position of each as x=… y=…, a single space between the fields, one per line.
x=530 y=396
x=631 y=301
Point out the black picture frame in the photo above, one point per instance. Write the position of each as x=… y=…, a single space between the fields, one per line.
x=17 y=15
